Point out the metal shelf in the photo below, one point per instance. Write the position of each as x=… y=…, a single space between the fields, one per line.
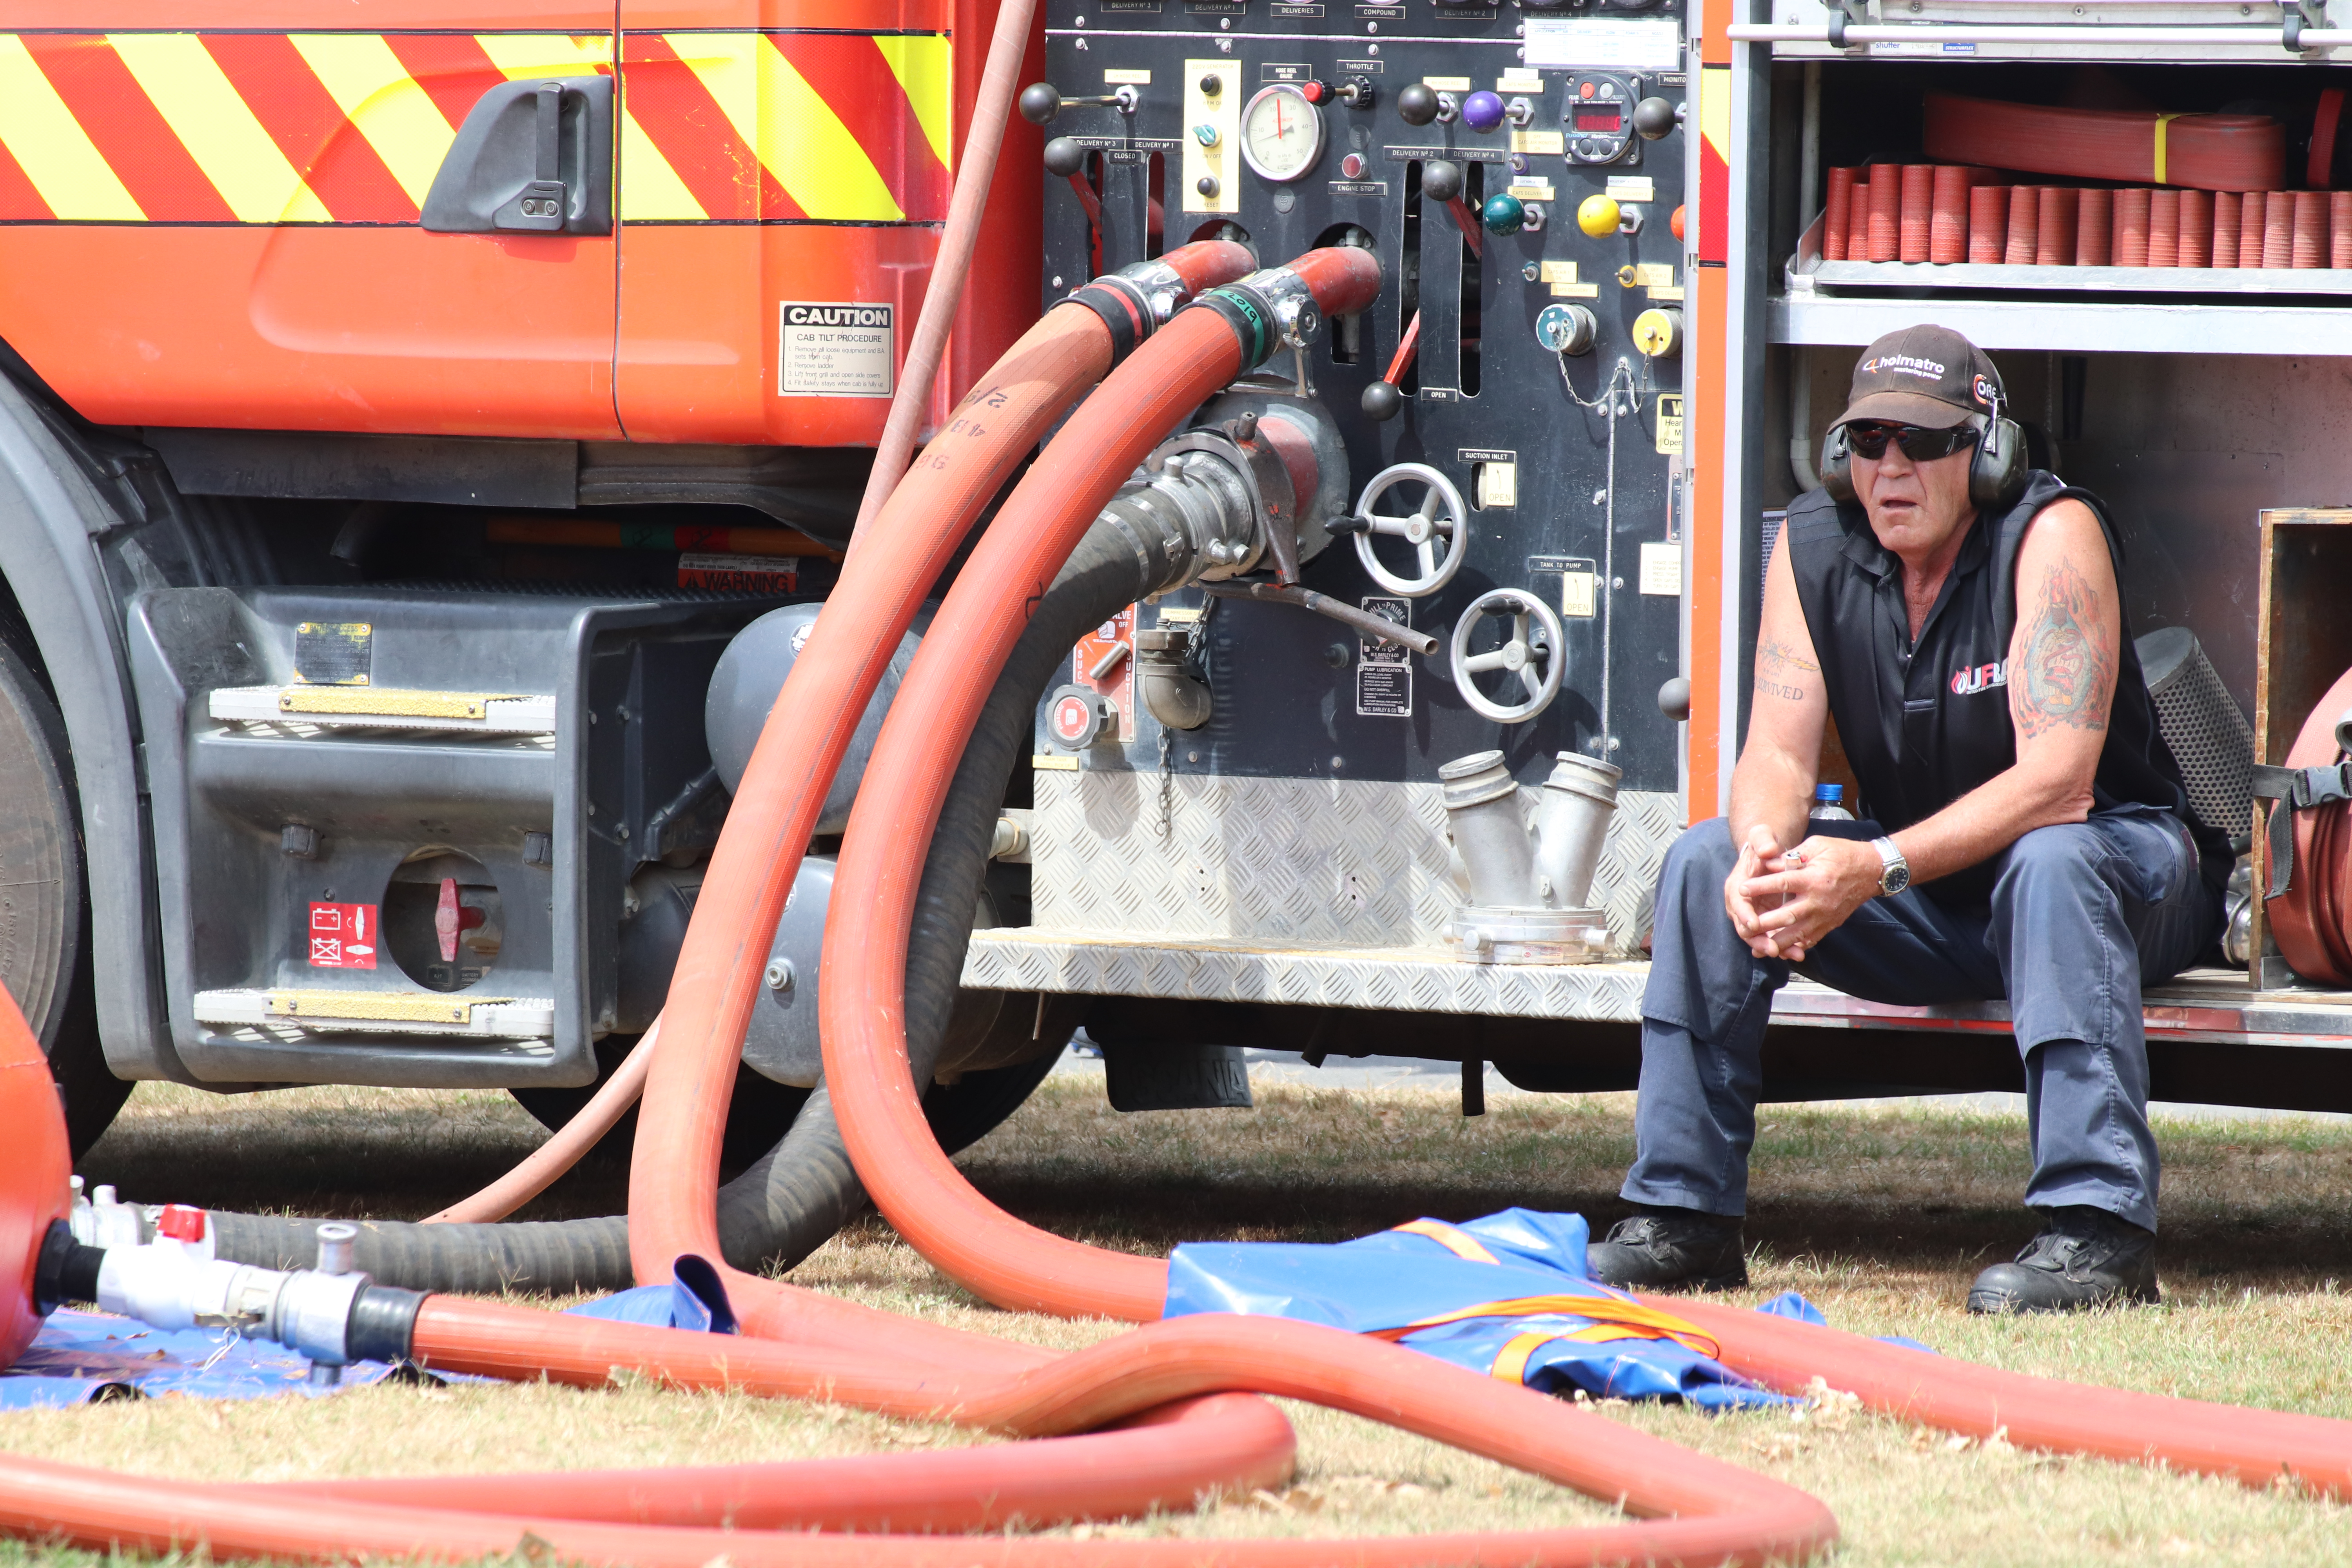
x=1845 y=276
x=2070 y=326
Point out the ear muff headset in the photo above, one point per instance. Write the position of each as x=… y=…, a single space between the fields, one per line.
x=1996 y=470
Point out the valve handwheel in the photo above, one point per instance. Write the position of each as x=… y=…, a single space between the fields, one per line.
x=1440 y=516
x=1538 y=668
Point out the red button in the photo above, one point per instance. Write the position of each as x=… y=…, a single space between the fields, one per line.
x=1313 y=91
x=1584 y=90
x=1352 y=165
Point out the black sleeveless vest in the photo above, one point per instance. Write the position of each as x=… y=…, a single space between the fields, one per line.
x=1924 y=725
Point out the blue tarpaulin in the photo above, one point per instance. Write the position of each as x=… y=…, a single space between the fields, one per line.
x=1507 y=1295
x=81 y=1356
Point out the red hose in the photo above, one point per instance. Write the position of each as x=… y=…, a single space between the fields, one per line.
x=2307 y=919
x=1016 y=1265
x=2210 y=152
x=671 y=1184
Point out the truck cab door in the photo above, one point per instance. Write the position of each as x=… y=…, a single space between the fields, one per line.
x=783 y=178
x=228 y=227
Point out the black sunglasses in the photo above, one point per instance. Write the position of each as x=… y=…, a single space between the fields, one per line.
x=1869 y=440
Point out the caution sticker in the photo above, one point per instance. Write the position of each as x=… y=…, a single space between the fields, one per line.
x=1384 y=669
x=1670 y=424
x=343 y=936
x=844 y=349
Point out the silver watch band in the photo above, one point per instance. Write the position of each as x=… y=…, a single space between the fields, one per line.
x=1893 y=870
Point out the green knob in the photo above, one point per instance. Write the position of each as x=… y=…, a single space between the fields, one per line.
x=1503 y=214
x=1205 y=135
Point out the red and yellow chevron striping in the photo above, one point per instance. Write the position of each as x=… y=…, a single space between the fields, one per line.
x=350 y=128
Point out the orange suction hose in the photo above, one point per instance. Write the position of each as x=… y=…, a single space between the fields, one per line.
x=564 y=1148
x=671 y=1184
x=1016 y=1265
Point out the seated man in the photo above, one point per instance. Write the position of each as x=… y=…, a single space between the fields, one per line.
x=2031 y=838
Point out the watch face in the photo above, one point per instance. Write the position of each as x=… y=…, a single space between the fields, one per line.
x=1896 y=877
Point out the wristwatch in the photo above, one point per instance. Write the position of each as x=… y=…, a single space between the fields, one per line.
x=1896 y=873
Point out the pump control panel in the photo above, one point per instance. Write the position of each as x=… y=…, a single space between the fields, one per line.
x=1498 y=407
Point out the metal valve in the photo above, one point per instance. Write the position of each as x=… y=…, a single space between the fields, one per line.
x=1536 y=665
x=1440 y=516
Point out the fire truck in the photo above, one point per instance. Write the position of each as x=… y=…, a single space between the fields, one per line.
x=426 y=443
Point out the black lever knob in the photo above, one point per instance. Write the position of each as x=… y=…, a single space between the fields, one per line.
x=1382 y=401
x=1040 y=103
x=1441 y=180
x=1063 y=157
x=1357 y=92
x=1416 y=104
x=1655 y=117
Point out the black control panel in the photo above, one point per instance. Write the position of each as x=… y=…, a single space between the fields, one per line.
x=1518 y=170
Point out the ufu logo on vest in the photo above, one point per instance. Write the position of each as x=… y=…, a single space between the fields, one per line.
x=1979 y=676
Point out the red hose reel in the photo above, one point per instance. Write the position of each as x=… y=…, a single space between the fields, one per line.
x=2202 y=151
x=2309 y=917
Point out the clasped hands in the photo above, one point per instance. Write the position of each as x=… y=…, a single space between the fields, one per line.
x=1782 y=902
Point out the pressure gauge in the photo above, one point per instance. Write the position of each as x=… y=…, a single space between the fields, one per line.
x=1282 y=132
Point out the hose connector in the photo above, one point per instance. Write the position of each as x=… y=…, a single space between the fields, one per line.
x=1134 y=301
x=1285 y=307
x=332 y=1318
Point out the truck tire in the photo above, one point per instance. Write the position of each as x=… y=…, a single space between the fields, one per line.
x=44 y=949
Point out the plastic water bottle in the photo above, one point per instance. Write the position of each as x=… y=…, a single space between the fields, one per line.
x=1829 y=803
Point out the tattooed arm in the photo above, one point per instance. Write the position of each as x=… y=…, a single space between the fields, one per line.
x=1772 y=787
x=2063 y=660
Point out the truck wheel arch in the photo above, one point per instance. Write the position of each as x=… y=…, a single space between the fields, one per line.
x=50 y=518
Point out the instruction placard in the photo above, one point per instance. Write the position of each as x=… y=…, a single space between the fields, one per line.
x=844 y=349
x=1384 y=669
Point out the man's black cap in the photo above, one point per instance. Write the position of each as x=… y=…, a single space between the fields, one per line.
x=1925 y=375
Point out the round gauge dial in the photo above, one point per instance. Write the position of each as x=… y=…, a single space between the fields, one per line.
x=1282 y=132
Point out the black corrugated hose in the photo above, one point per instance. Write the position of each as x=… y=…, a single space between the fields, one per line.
x=795 y=1196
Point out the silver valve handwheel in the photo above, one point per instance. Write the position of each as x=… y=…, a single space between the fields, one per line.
x=1439 y=520
x=1534 y=672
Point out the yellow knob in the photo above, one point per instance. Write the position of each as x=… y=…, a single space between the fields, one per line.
x=1598 y=216
x=1627 y=277
x=1658 y=331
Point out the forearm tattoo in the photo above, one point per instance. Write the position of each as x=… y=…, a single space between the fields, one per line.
x=1774 y=688
x=2070 y=657
x=1779 y=656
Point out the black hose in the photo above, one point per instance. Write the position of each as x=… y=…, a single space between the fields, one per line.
x=795 y=1196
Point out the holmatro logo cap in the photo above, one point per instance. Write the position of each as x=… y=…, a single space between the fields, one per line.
x=1928 y=377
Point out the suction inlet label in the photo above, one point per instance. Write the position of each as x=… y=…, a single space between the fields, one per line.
x=844 y=349
x=1384 y=669
x=343 y=936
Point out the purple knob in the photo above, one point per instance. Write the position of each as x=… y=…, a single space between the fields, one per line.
x=1481 y=111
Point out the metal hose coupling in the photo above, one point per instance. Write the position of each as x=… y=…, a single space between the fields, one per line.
x=333 y=1314
x=1133 y=303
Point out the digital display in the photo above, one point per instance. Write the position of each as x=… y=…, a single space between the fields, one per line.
x=1604 y=118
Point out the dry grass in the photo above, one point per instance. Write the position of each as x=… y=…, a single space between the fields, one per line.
x=1880 y=1216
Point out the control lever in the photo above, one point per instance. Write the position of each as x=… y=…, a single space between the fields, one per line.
x=1358 y=92
x=1068 y=159
x=1362 y=621
x=1655 y=117
x=1441 y=179
x=1482 y=113
x=1381 y=399
x=1042 y=102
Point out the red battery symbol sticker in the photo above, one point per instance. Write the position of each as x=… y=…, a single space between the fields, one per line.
x=343 y=936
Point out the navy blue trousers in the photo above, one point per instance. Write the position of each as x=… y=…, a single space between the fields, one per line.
x=2082 y=916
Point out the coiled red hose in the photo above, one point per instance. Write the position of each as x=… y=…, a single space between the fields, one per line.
x=2210 y=152
x=2308 y=919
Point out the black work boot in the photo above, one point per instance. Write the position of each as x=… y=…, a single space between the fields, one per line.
x=2083 y=1258
x=1669 y=1248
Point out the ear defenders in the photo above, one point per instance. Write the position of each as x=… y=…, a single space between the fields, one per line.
x=1996 y=470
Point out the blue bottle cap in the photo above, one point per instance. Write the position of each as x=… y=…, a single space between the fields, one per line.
x=1829 y=792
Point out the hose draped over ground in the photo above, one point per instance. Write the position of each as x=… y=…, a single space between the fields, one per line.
x=798 y=1194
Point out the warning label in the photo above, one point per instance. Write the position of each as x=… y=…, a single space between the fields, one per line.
x=343 y=936
x=1105 y=660
x=739 y=573
x=1383 y=670
x=840 y=350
